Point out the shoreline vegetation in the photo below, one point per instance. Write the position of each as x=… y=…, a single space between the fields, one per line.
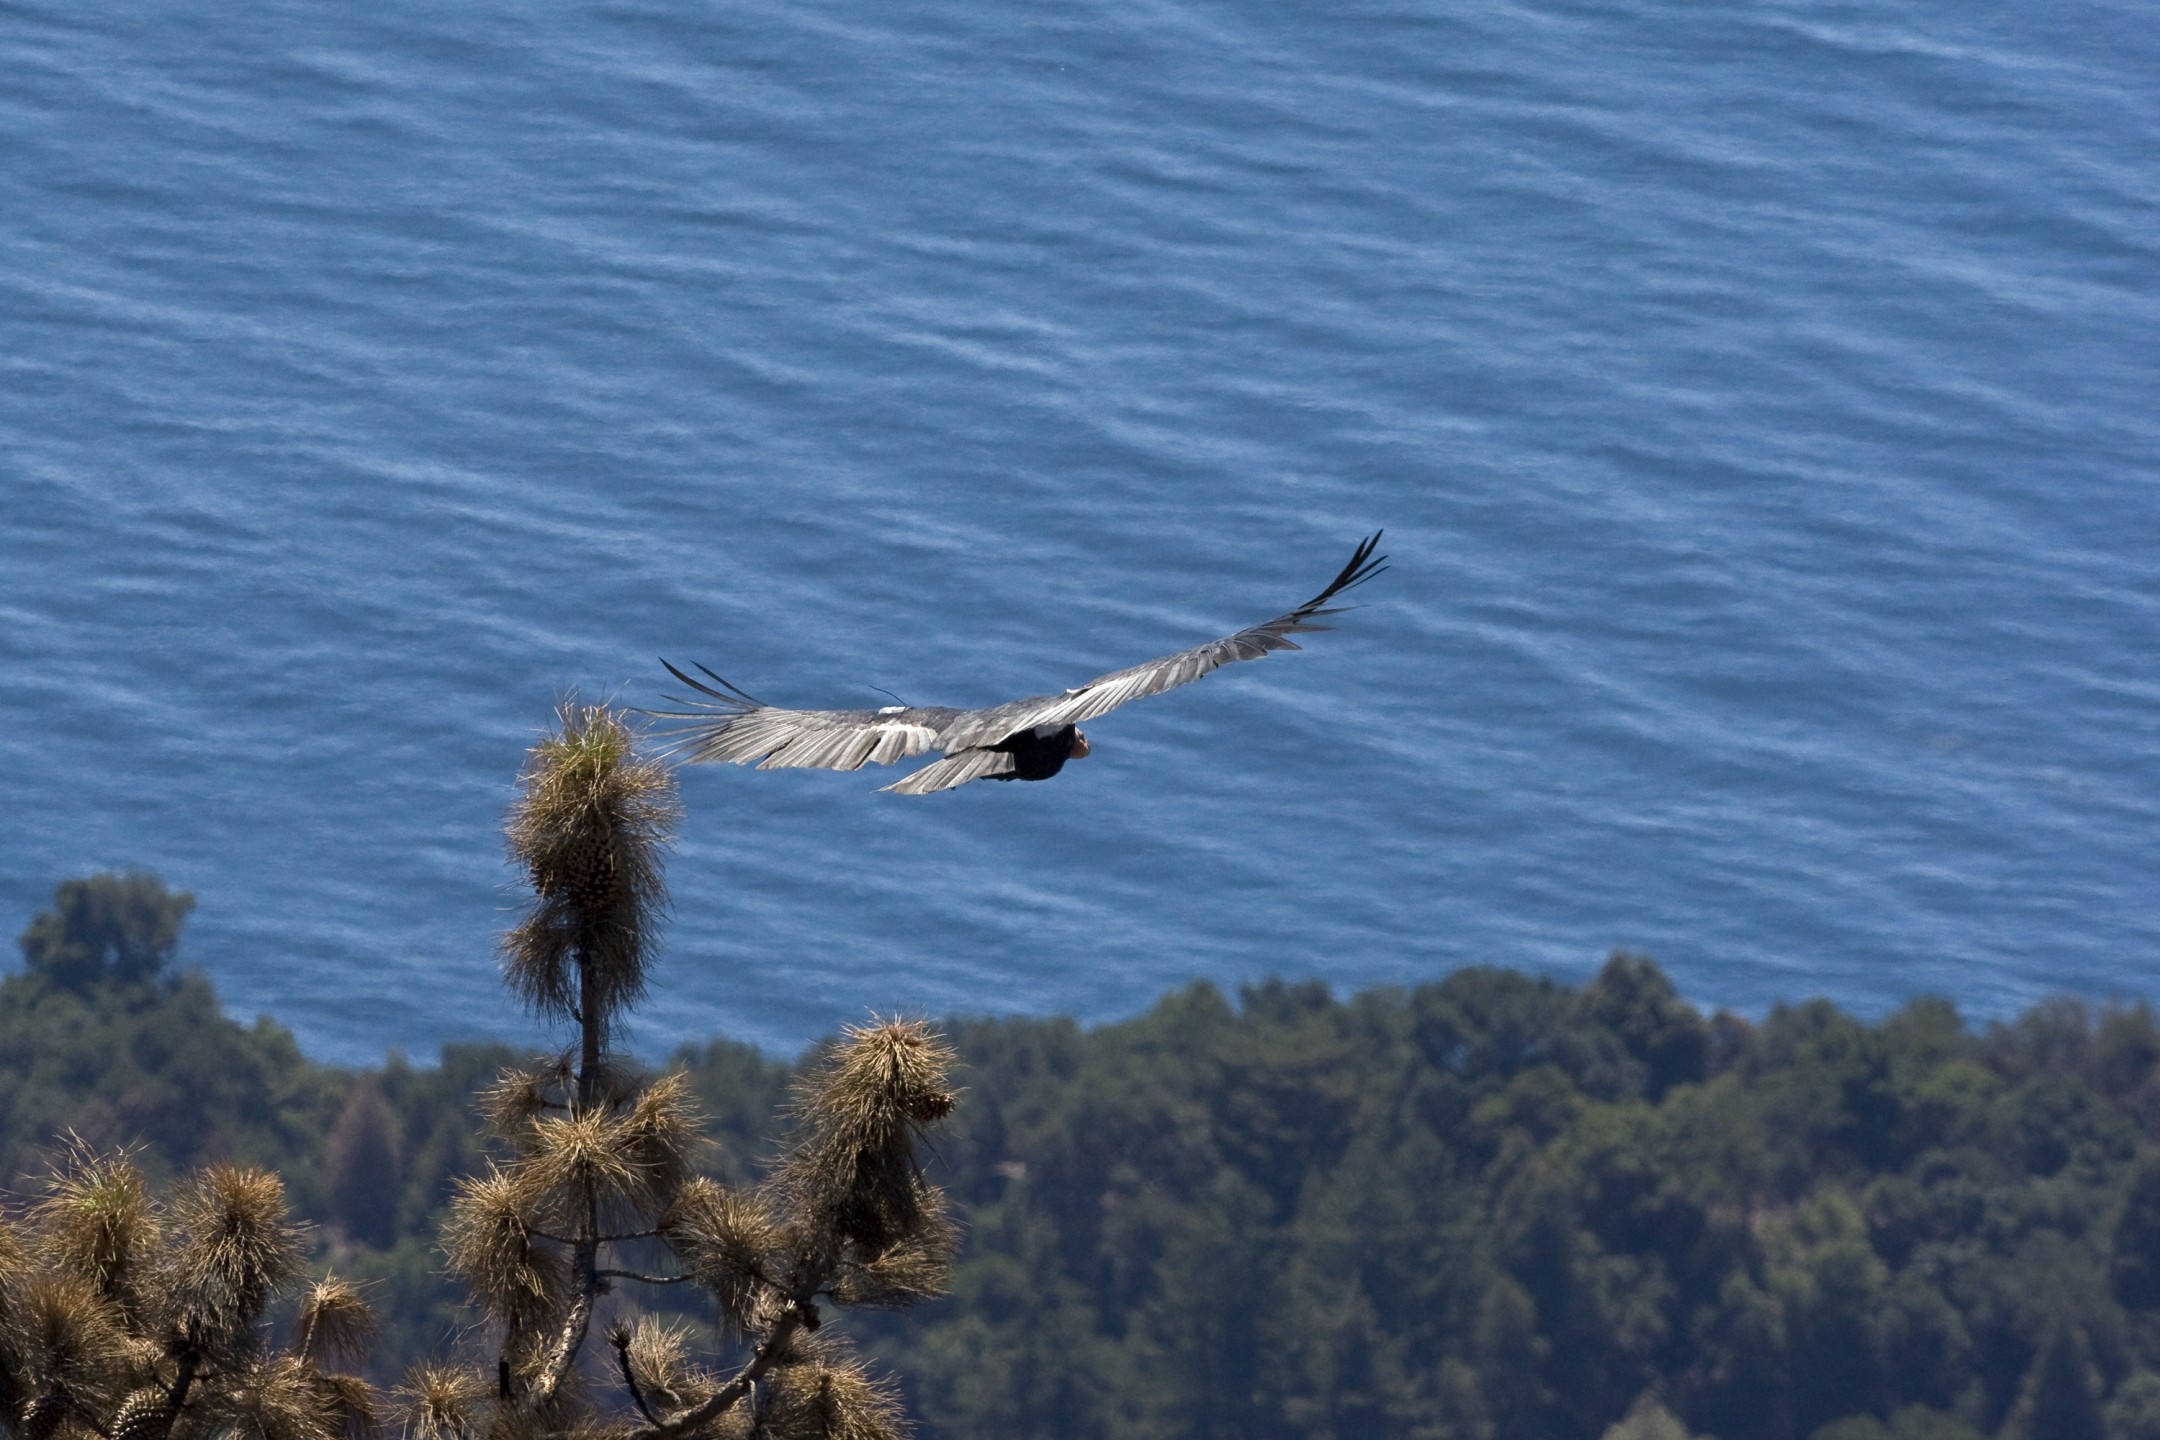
x=1489 y=1206
x=185 y=1310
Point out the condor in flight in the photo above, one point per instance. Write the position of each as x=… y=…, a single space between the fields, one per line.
x=1021 y=740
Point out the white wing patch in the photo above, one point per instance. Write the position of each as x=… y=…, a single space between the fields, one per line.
x=805 y=739
x=849 y=748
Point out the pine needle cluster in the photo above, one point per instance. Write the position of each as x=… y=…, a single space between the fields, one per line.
x=589 y=828
x=124 y=1318
x=594 y=1198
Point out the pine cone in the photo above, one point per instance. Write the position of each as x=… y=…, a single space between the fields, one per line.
x=145 y=1415
x=582 y=870
x=594 y=868
x=42 y=1416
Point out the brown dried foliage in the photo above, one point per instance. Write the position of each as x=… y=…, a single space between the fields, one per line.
x=576 y=1159
x=147 y=1414
x=352 y=1404
x=334 y=1320
x=122 y=1319
x=491 y=1247
x=829 y=1395
x=518 y=1097
x=663 y=1136
x=130 y=1321
x=913 y=1268
x=443 y=1402
x=847 y=1216
x=727 y=1241
x=70 y=1340
x=668 y=1377
x=589 y=828
x=232 y=1249
x=96 y=1221
x=284 y=1398
x=853 y=1180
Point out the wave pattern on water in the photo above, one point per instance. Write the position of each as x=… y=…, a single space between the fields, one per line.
x=1759 y=402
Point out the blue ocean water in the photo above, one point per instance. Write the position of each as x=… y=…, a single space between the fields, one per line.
x=1762 y=403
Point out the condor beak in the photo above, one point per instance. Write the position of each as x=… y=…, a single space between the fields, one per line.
x=1079 y=746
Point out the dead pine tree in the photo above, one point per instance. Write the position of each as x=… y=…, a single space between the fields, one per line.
x=126 y=1319
x=597 y=1196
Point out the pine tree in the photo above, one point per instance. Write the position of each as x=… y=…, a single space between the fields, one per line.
x=123 y=1318
x=2134 y=1261
x=2061 y=1396
x=596 y=1188
x=363 y=1164
x=127 y=1319
x=106 y=927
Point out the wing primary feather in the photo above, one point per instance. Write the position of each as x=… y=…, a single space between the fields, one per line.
x=1106 y=692
x=1362 y=567
x=730 y=724
x=727 y=694
x=733 y=689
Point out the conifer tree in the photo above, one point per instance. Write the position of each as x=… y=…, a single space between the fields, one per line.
x=106 y=927
x=596 y=1191
x=122 y=1318
x=362 y=1162
x=2134 y=1264
x=2060 y=1399
x=125 y=1319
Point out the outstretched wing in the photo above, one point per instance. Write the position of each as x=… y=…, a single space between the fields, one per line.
x=727 y=724
x=730 y=725
x=1106 y=692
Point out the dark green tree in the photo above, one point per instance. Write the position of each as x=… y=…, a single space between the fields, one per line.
x=2061 y=1396
x=2133 y=1412
x=2134 y=1254
x=106 y=927
x=1633 y=1000
x=363 y=1166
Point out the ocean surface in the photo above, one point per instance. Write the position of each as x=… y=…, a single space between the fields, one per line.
x=1762 y=403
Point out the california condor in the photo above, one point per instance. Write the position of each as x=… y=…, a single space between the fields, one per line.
x=1020 y=740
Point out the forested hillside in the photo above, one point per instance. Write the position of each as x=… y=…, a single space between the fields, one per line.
x=1492 y=1206
x=1498 y=1206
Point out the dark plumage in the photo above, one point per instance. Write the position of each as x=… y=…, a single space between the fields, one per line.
x=1027 y=739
